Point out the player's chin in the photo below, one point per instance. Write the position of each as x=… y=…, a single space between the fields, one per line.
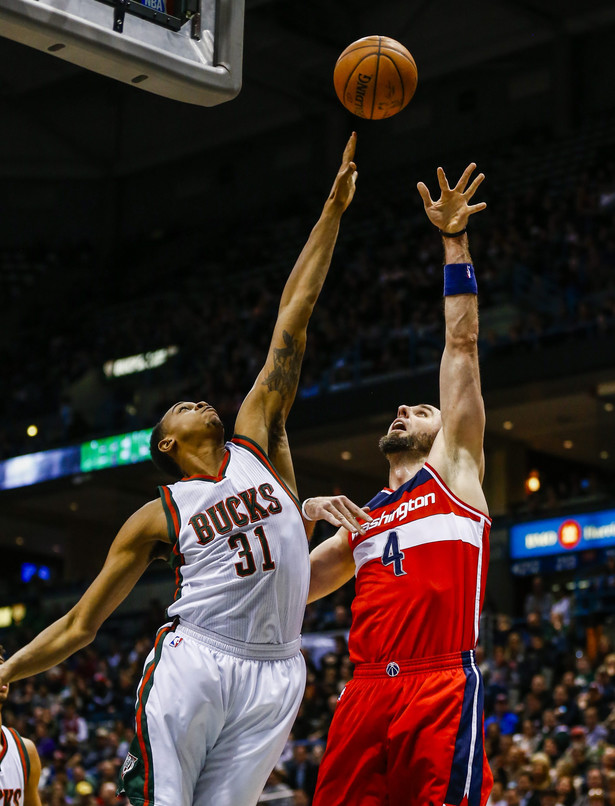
x=394 y=442
x=217 y=423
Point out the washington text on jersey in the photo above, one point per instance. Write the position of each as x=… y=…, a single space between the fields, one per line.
x=422 y=560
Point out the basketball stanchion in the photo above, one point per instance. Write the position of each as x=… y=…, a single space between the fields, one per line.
x=188 y=50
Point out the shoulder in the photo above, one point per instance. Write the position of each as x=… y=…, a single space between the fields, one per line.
x=247 y=449
x=150 y=515
x=241 y=443
x=148 y=523
x=31 y=751
x=31 y=762
x=33 y=773
x=459 y=473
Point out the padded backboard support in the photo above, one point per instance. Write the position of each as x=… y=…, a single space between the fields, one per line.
x=193 y=55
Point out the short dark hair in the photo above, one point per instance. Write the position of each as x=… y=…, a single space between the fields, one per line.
x=164 y=462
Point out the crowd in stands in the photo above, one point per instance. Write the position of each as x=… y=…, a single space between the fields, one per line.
x=544 y=257
x=549 y=704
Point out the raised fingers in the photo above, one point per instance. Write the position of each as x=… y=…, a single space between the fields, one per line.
x=476 y=208
x=422 y=189
x=350 y=148
x=443 y=181
x=465 y=177
x=473 y=187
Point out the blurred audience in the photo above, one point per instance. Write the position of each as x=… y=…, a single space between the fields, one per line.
x=549 y=727
x=545 y=259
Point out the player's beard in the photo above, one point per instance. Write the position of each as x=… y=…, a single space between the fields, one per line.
x=415 y=444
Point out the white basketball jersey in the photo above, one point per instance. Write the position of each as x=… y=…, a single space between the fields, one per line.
x=14 y=766
x=240 y=551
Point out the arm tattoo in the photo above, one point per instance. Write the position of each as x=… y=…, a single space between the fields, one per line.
x=284 y=376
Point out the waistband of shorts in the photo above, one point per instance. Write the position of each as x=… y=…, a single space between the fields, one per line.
x=240 y=649
x=397 y=668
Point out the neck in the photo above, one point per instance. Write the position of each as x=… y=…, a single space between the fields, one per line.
x=202 y=461
x=403 y=466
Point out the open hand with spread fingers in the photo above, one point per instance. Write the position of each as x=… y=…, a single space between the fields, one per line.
x=344 y=185
x=338 y=511
x=451 y=211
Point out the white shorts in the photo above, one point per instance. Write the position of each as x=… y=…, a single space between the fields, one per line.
x=211 y=719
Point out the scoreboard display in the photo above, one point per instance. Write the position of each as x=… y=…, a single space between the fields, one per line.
x=124 y=449
x=97 y=454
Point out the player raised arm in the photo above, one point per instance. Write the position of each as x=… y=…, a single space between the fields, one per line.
x=135 y=546
x=262 y=417
x=457 y=453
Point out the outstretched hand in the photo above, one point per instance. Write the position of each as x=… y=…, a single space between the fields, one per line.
x=344 y=185
x=338 y=511
x=451 y=211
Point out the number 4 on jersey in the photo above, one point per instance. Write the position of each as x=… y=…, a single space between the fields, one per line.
x=392 y=554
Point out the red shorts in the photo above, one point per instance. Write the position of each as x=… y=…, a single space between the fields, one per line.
x=408 y=734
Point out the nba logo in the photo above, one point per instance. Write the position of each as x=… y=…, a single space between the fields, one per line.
x=392 y=669
x=129 y=764
x=176 y=641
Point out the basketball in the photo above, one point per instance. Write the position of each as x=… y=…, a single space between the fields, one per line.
x=375 y=77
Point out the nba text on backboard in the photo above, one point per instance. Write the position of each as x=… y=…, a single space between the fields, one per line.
x=189 y=50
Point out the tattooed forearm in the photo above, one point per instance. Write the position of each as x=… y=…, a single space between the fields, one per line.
x=284 y=376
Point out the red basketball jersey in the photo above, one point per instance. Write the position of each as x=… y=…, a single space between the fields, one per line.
x=420 y=573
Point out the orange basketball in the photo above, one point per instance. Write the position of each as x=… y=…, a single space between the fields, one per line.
x=375 y=77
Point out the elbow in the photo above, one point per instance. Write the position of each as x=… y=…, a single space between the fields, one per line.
x=84 y=635
x=87 y=635
x=81 y=632
x=298 y=310
x=464 y=342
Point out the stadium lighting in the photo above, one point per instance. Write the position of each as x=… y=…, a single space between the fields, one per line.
x=139 y=363
x=532 y=482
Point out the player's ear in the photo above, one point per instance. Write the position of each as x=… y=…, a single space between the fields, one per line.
x=166 y=444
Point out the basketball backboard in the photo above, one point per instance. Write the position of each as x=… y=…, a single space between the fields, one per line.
x=189 y=50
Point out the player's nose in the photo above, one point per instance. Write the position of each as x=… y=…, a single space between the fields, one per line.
x=403 y=411
x=201 y=404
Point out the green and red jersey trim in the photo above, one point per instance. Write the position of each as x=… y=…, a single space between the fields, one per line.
x=4 y=745
x=177 y=559
x=221 y=471
x=141 y=717
x=23 y=755
x=256 y=450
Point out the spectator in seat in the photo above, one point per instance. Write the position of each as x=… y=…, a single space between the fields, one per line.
x=506 y=719
x=301 y=772
x=595 y=732
x=538 y=601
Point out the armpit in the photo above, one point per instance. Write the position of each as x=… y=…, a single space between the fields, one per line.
x=160 y=551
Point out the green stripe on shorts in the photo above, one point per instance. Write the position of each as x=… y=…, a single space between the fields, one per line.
x=137 y=774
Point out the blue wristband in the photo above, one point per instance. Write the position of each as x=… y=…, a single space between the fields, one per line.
x=459 y=279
